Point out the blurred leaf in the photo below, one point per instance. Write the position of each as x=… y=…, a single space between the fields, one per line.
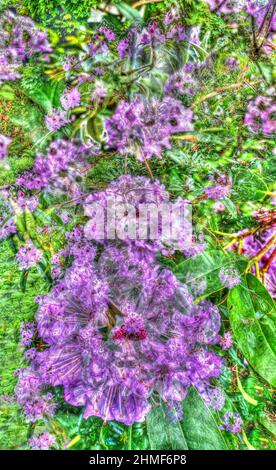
x=163 y=433
x=206 y=267
x=252 y=317
x=200 y=428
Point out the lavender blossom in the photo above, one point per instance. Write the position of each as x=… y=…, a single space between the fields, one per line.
x=143 y=128
x=214 y=398
x=232 y=422
x=229 y=277
x=4 y=143
x=226 y=341
x=56 y=119
x=260 y=115
x=28 y=256
x=70 y=99
x=42 y=442
x=123 y=48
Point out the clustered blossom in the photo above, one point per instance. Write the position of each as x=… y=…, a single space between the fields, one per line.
x=260 y=115
x=264 y=23
x=143 y=127
x=8 y=228
x=4 y=143
x=55 y=120
x=226 y=341
x=118 y=329
x=28 y=255
x=61 y=169
x=214 y=398
x=31 y=395
x=19 y=40
x=43 y=441
x=71 y=98
x=128 y=201
x=220 y=189
x=232 y=63
x=229 y=277
x=27 y=333
x=225 y=6
x=232 y=422
x=181 y=83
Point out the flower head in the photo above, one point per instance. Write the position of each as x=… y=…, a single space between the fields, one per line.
x=232 y=422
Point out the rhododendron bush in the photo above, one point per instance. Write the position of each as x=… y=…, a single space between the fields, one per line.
x=137 y=225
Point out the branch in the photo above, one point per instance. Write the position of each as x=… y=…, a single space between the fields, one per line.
x=218 y=91
x=145 y=2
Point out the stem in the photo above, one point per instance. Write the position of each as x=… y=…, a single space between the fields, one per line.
x=145 y=2
x=218 y=91
x=190 y=138
x=265 y=249
x=148 y=168
x=269 y=261
x=125 y=164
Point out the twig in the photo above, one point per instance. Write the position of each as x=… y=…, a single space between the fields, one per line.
x=145 y=2
x=218 y=91
x=148 y=168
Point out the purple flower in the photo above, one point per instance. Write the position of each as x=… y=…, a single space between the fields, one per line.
x=108 y=34
x=31 y=396
x=229 y=277
x=220 y=189
x=260 y=115
x=61 y=169
x=181 y=83
x=232 y=63
x=27 y=332
x=9 y=228
x=123 y=48
x=156 y=338
x=8 y=69
x=28 y=256
x=219 y=207
x=99 y=93
x=215 y=398
x=143 y=128
x=55 y=120
x=194 y=35
x=70 y=99
x=4 y=143
x=225 y=6
x=171 y=16
x=231 y=422
x=226 y=341
x=42 y=442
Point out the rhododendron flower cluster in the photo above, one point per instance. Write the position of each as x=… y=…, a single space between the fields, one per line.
x=121 y=329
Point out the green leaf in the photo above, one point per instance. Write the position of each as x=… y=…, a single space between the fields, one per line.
x=163 y=433
x=206 y=267
x=252 y=317
x=200 y=428
x=245 y=395
x=23 y=280
x=250 y=186
x=129 y=13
